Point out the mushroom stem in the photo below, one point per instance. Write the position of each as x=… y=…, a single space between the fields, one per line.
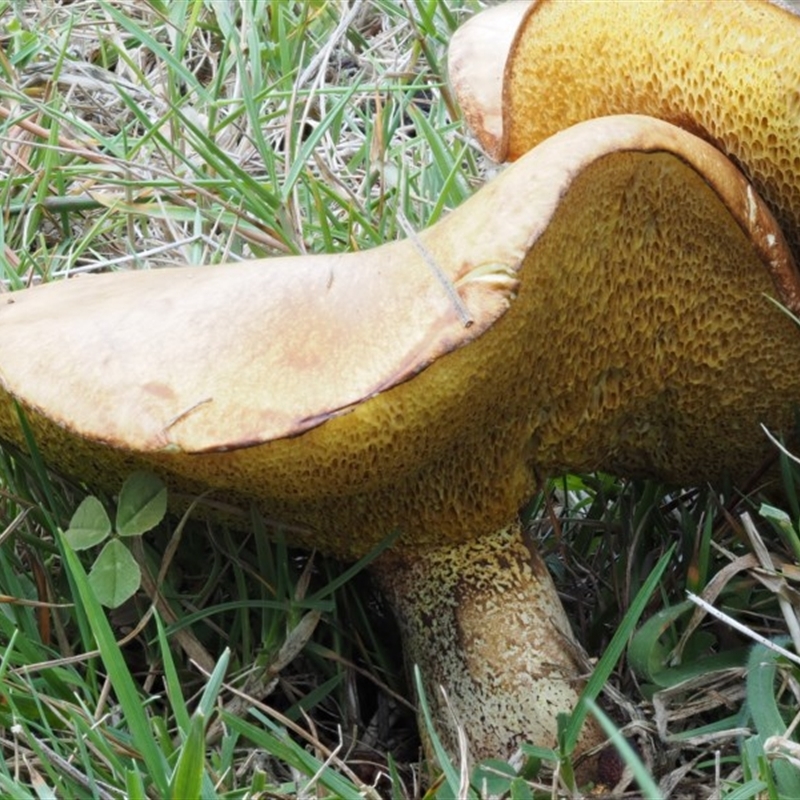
x=483 y=619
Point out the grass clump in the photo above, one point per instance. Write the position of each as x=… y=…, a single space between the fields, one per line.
x=138 y=136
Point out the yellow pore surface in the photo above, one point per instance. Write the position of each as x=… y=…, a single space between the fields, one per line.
x=641 y=341
x=726 y=71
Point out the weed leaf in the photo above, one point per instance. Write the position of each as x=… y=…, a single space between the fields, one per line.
x=115 y=575
x=142 y=504
x=89 y=525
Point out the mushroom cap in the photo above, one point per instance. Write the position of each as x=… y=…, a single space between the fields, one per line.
x=617 y=278
x=728 y=72
x=202 y=360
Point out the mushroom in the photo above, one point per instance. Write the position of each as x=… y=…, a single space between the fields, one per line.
x=605 y=305
x=728 y=72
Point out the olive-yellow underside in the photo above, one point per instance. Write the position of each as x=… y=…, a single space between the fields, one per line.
x=618 y=279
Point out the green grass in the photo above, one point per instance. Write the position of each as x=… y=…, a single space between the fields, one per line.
x=161 y=134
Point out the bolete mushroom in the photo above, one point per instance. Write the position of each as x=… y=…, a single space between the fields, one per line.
x=613 y=313
x=728 y=72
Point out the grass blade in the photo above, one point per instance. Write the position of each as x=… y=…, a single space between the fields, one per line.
x=120 y=676
x=614 y=651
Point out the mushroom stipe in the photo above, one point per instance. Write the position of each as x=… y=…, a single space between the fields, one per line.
x=618 y=278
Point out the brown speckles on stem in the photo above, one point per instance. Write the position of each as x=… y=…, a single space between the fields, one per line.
x=484 y=620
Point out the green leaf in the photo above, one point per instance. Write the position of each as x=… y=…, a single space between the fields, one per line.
x=493 y=777
x=190 y=778
x=539 y=753
x=646 y=652
x=212 y=689
x=645 y=781
x=126 y=690
x=783 y=523
x=142 y=504
x=452 y=780
x=310 y=142
x=762 y=683
x=520 y=790
x=268 y=736
x=187 y=779
x=777 y=515
x=89 y=525
x=614 y=650
x=747 y=791
x=762 y=669
x=115 y=575
x=134 y=785
x=172 y=681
